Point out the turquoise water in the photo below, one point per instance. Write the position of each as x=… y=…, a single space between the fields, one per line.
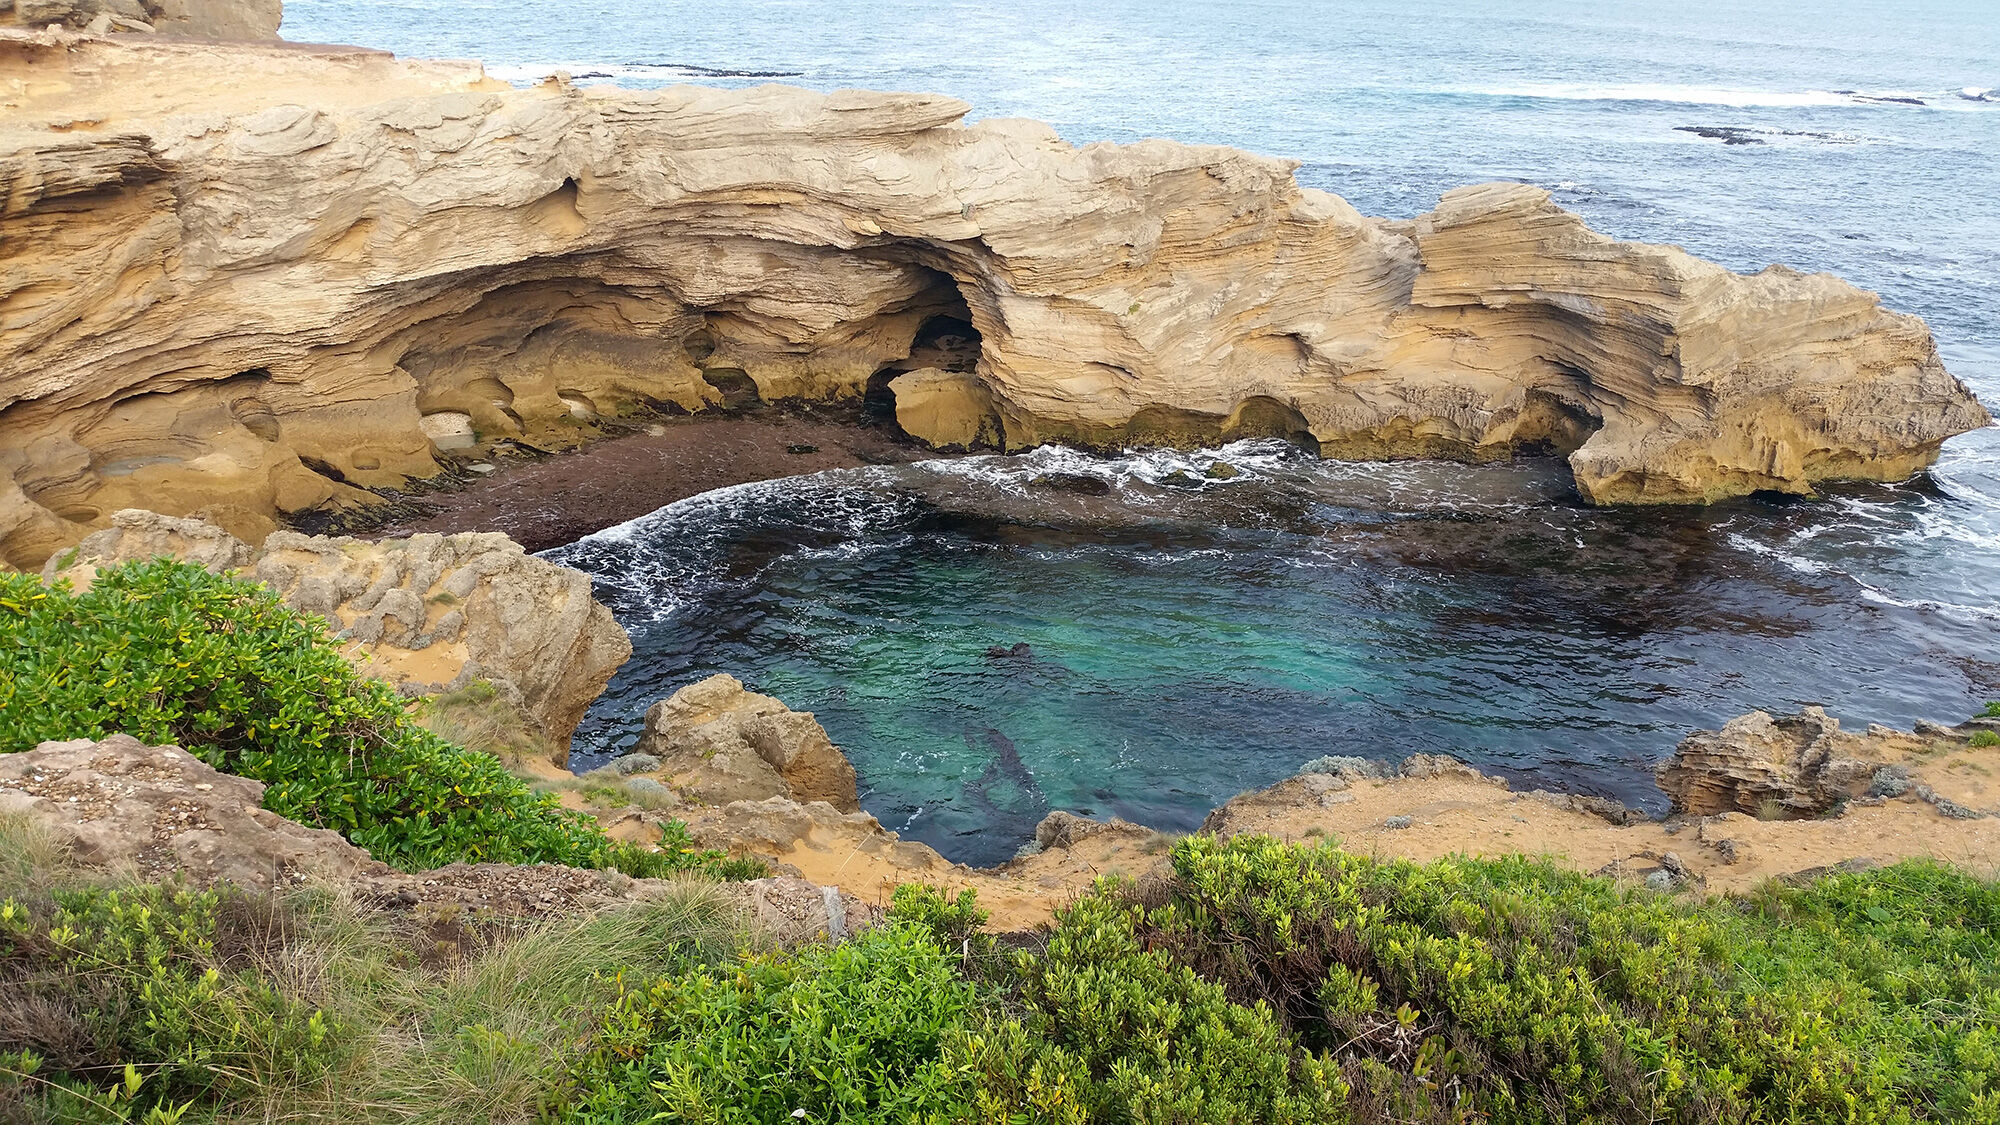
x=1184 y=645
x=987 y=650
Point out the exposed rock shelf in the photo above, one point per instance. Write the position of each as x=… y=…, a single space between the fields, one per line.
x=249 y=280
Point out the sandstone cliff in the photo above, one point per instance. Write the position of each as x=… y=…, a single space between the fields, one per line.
x=259 y=279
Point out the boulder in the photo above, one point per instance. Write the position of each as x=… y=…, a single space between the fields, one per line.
x=158 y=810
x=431 y=613
x=1791 y=766
x=721 y=742
x=947 y=409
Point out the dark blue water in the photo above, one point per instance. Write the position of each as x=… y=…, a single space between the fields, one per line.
x=1182 y=646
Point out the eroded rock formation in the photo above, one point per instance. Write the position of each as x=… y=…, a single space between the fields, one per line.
x=432 y=613
x=717 y=743
x=263 y=278
x=204 y=19
x=159 y=812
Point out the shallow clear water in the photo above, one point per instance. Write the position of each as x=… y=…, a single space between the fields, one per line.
x=1184 y=646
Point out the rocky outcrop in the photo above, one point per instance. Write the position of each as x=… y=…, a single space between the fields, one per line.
x=158 y=810
x=432 y=612
x=1794 y=766
x=336 y=270
x=716 y=742
x=201 y=19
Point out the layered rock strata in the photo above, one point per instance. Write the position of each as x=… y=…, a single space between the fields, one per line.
x=432 y=613
x=268 y=279
x=202 y=19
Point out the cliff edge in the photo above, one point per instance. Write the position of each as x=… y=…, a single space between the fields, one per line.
x=250 y=281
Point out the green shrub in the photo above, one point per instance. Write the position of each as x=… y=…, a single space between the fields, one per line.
x=857 y=1032
x=1992 y=711
x=166 y=652
x=1528 y=994
x=954 y=924
x=1113 y=1031
x=96 y=980
x=1985 y=738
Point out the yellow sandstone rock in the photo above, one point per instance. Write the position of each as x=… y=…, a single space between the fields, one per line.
x=269 y=277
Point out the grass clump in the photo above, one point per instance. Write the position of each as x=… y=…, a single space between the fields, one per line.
x=479 y=718
x=1985 y=738
x=158 y=1004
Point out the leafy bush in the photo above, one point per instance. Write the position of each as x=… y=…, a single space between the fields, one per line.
x=167 y=652
x=1510 y=989
x=93 y=980
x=857 y=1032
x=1992 y=711
x=1985 y=738
x=1113 y=1031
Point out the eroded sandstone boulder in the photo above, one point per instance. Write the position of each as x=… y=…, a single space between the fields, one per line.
x=720 y=742
x=432 y=613
x=159 y=810
x=1789 y=766
x=339 y=269
x=947 y=409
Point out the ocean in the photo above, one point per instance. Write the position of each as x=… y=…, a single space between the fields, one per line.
x=1182 y=645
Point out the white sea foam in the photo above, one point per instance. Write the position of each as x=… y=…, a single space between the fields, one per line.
x=595 y=73
x=1725 y=96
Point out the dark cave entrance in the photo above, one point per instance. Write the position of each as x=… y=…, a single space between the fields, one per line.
x=946 y=340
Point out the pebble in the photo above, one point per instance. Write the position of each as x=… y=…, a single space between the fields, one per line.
x=1398 y=822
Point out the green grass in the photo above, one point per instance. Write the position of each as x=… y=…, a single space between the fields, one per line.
x=305 y=1007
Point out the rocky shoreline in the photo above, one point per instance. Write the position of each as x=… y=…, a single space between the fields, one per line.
x=437 y=265
x=1762 y=798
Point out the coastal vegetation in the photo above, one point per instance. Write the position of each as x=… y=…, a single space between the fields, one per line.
x=1251 y=981
x=1258 y=981
x=169 y=653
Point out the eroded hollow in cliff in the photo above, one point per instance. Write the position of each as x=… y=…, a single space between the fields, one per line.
x=946 y=340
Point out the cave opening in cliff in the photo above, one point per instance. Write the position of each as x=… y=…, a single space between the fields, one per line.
x=945 y=339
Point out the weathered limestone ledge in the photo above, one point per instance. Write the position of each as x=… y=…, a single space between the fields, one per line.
x=245 y=280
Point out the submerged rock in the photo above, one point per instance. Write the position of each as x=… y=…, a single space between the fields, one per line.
x=1081 y=484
